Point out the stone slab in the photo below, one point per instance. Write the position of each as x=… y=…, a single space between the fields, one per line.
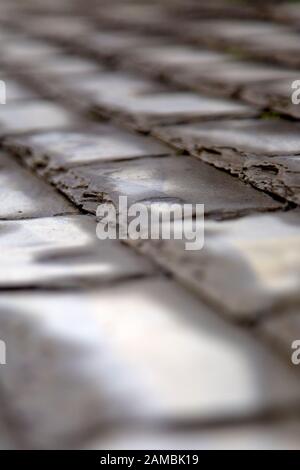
x=277 y=175
x=145 y=111
x=171 y=179
x=228 y=144
x=55 y=150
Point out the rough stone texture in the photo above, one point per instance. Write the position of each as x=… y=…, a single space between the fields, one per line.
x=51 y=151
x=275 y=95
x=119 y=375
x=62 y=252
x=171 y=179
x=34 y=115
x=230 y=144
x=247 y=267
x=152 y=109
x=24 y=195
x=277 y=175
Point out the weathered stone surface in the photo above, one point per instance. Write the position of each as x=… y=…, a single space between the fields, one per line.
x=23 y=195
x=248 y=266
x=278 y=175
x=62 y=252
x=144 y=111
x=51 y=151
x=79 y=357
x=34 y=115
x=171 y=179
x=228 y=144
x=275 y=95
x=232 y=77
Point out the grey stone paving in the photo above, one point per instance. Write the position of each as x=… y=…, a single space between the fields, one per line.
x=152 y=109
x=146 y=344
x=264 y=152
x=171 y=179
x=52 y=151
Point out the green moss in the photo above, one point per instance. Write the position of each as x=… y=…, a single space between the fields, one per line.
x=270 y=115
